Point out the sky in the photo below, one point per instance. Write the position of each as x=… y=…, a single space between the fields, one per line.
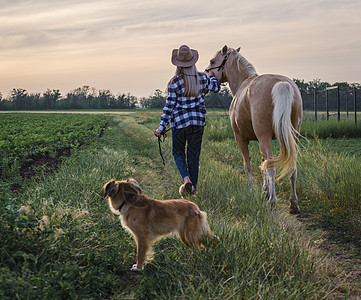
x=125 y=45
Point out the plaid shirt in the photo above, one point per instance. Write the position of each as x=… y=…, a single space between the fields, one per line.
x=184 y=111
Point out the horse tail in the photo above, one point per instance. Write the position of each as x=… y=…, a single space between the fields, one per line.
x=286 y=134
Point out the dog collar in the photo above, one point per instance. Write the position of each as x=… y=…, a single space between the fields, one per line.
x=121 y=206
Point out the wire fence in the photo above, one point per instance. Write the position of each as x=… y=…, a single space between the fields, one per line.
x=333 y=103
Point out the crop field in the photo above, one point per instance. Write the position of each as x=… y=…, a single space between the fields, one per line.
x=59 y=240
x=28 y=137
x=36 y=133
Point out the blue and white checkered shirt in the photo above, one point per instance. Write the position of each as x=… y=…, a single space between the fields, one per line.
x=184 y=111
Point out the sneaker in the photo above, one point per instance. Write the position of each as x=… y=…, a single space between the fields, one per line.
x=186 y=188
x=189 y=188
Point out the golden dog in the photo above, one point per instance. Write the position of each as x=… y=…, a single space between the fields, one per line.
x=147 y=218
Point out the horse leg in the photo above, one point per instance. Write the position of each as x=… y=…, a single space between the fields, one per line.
x=294 y=209
x=269 y=176
x=265 y=181
x=243 y=146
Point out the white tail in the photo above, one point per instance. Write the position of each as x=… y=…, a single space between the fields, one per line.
x=287 y=135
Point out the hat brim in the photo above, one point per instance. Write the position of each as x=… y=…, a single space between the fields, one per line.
x=184 y=64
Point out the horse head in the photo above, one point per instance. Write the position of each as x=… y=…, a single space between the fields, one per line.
x=218 y=64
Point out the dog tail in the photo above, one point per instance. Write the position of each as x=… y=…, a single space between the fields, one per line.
x=204 y=229
x=195 y=229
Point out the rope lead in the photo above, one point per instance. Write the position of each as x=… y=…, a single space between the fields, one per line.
x=160 y=140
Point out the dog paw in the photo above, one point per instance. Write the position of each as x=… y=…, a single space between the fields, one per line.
x=135 y=269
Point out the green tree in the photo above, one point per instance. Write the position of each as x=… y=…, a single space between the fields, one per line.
x=157 y=100
x=80 y=97
x=222 y=99
x=302 y=85
x=341 y=85
x=105 y=99
x=49 y=99
x=33 y=101
x=144 y=102
x=317 y=85
x=18 y=98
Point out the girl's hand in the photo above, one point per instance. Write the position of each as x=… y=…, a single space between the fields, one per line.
x=157 y=133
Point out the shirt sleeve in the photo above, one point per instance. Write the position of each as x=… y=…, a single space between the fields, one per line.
x=213 y=84
x=169 y=106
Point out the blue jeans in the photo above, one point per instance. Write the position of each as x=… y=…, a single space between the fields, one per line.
x=187 y=165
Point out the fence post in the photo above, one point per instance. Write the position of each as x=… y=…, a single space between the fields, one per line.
x=338 y=99
x=338 y=104
x=327 y=112
x=354 y=104
x=315 y=104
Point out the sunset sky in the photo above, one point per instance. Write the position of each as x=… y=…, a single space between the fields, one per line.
x=125 y=46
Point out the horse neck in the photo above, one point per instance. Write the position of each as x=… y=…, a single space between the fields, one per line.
x=236 y=75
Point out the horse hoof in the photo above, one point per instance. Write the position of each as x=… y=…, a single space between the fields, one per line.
x=135 y=269
x=295 y=210
x=272 y=205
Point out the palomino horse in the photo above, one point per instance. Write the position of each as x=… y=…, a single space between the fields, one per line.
x=264 y=107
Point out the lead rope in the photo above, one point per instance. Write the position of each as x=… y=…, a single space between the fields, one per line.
x=161 y=139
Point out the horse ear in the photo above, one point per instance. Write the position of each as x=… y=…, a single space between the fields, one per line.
x=238 y=49
x=224 y=50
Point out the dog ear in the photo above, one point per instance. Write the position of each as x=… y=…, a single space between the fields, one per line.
x=128 y=190
x=111 y=188
x=135 y=185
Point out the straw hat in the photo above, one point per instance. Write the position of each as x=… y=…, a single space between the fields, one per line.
x=184 y=56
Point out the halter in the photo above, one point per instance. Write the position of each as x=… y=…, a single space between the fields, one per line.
x=221 y=66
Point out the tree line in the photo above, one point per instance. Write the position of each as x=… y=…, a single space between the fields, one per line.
x=90 y=98
x=318 y=85
x=86 y=97
x=81 y=98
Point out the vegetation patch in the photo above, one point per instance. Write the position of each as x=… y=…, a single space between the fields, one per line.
x=31 y=144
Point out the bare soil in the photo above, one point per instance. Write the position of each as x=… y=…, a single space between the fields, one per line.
x=40 y=163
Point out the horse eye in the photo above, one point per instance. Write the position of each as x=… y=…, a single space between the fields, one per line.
x=211 y=62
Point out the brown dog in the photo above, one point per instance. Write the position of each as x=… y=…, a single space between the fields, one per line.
x=147 y=218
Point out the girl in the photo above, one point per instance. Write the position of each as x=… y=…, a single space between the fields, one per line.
x=185 y=109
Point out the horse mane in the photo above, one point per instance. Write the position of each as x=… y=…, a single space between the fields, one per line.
x=243 y=64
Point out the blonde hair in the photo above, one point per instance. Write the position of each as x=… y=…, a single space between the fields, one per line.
x=191 y=80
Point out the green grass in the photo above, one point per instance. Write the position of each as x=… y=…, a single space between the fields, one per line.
x=330 y=129
x=330 y=185
x=65 y=243
x=328 y=169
